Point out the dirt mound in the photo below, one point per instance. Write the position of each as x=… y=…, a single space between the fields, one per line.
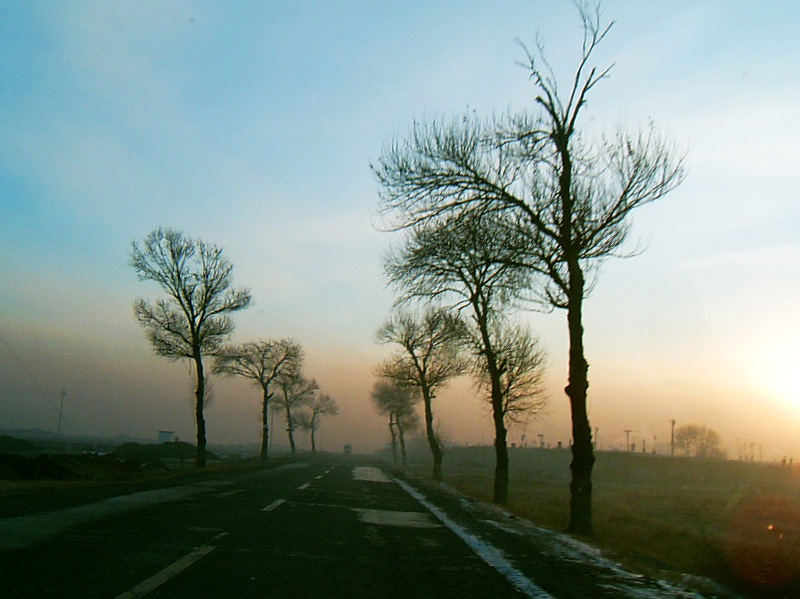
x=155 y=453
x=14 y=445
x=13 y=466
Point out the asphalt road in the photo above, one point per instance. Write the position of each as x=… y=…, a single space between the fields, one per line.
x=329 y=526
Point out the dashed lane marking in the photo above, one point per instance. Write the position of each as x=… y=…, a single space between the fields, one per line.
x=275 y=504
x=170 y=571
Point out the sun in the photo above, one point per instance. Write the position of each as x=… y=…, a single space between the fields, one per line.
x=775 y=370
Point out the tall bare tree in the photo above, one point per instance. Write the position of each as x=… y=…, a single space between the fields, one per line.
x=399 y=404
x=468 y=260
x=262 y=362
x=573 y=199
x=321 y=404
x=428 y=359
x=295 y=392
x=194 y=320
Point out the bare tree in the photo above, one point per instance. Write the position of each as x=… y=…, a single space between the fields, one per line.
x=320 y=404
x=468 y=260
x=429 y=357
x=194 y=320
x=572 y=198
x=295 y=392
x=262 y=362
x=399 y=403
x=699 y=441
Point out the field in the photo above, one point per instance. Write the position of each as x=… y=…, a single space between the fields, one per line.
x=738 y=523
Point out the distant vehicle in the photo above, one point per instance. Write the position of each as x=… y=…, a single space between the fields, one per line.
x=348 y=449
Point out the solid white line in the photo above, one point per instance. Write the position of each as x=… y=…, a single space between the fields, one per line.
x=274 y=505
x=487 y=552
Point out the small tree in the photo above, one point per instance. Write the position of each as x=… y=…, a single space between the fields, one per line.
x=295 y=391
x=699 y=441
x=428 y=359
x=399 y=404
x=194 y=320
x=469 y=261
x=321 y=404
x=263 y=363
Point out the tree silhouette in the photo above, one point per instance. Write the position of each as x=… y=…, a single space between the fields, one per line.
x=429 y=357
x=399 y=404
x=467 y=260
x=295 y=391
x=572 y=199
x=262 y=362
x=194 y=320
x=321 y=404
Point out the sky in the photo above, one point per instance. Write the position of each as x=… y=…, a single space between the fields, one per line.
x=252 y=125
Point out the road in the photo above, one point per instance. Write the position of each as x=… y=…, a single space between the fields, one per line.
x=328 y=526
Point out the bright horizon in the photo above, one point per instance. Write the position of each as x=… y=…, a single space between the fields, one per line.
x=253 y=128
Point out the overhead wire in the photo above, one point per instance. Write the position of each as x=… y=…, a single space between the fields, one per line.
x=41 y=390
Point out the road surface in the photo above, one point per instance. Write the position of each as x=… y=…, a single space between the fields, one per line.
x=327 y=526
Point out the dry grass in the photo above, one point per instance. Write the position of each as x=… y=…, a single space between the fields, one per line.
x=738 y=523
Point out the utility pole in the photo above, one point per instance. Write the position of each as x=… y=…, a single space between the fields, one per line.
x=628 y=432
x=524 y=439
x=672 y=440
x=63 y=394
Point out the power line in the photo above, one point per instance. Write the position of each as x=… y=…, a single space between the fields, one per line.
x=43 y=393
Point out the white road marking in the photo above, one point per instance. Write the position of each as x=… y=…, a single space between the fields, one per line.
x=229 y=493
x=486 y=551
x=302 y=487
x=370 y=474
x=273 y=505
x=401 y=519
x=170 y=571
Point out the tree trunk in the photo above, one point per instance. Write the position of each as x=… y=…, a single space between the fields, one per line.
x=265 y=427
x=580 y=513
x=402 y=438
x=394 y=439
x=200 y=395
x=313 y=438
x=495 y=371
x=580 y=487
x=501 y=463
x=290 y=429
x=433 y=442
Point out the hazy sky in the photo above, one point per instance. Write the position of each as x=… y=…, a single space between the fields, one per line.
x=252 y=125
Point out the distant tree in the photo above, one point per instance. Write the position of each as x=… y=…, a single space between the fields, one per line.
x=263 y=362
x=294 y=392
x=572 y=198
x=428 y=359
x=399 y=404
x=467 y=260
x=308 y=418
x=699 y=441
x=194 y=320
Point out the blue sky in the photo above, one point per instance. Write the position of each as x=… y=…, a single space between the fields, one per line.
x=252 y=125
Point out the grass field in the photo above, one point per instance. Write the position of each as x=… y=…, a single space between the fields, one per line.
x=738 y=523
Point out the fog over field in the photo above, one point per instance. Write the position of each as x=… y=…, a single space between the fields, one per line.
x=254 y=126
